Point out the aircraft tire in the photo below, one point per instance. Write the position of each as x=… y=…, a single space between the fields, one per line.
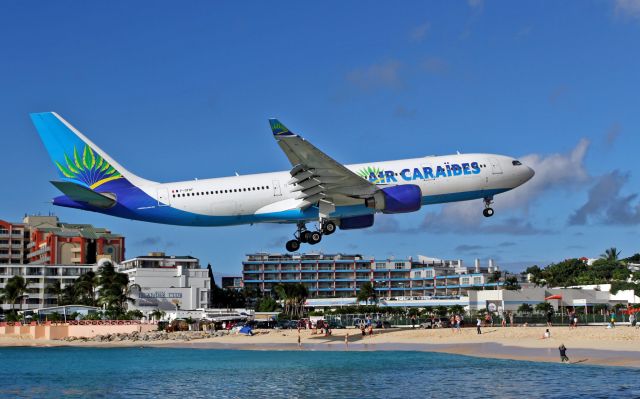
x=305 y=236
x=315 y=237
x=293 y=245
x=488 y=212
x=328 y=228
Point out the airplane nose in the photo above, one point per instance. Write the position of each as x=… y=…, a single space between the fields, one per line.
x=529 y=173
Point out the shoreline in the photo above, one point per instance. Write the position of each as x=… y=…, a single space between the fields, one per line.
x=593 y=345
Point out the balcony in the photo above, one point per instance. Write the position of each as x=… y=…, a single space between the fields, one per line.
x=40 y=251
x=76 y=249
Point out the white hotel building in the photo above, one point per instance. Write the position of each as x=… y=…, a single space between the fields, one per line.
x=168 y=283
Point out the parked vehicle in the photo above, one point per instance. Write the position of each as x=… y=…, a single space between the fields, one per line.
x=440 y=322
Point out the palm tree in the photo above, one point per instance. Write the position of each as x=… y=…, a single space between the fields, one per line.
x=55 y=288
x=14 y=290
x=293 y=296
x=611 y=254
x=157 y=314
x=113 y=291
x=367 y=292
x=85 y=287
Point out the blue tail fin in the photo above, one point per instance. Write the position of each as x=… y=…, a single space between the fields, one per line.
x=76 y=158
x=279 y=129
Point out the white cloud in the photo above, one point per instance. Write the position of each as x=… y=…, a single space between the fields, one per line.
x=475 y=3
x=553 y=172
x=606 y=203
x=627 y=8
x=385 y=74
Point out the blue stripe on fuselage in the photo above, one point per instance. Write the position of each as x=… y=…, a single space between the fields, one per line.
x=142 y=207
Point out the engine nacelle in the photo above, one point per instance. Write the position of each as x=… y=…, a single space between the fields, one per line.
x=356 y=222
x=396 y=199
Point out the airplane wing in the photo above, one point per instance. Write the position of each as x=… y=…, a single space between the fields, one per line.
x=317 y=176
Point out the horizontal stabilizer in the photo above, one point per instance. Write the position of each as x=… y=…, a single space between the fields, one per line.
x=80 y=193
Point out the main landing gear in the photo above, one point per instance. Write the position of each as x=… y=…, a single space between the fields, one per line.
x=488 y=210
x=327 y=227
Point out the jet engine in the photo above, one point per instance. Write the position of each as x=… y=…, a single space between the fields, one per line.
x=396 y=199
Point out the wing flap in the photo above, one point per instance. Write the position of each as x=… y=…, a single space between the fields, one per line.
x=316 y=175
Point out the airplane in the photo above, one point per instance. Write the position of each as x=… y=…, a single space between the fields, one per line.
x=317 y=189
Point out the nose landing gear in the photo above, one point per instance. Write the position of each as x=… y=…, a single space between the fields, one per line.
x=488 y=210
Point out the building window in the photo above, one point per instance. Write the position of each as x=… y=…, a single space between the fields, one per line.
x=477 y=280
x=428 y=273
x=464 y=280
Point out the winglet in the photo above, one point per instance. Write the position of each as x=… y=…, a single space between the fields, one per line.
x=279 y=129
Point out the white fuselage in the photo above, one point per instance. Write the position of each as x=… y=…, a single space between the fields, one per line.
x=267 y=197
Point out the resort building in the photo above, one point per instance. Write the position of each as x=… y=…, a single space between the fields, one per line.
x=158 y=260
x=78 y=244
x=169 y=283
x=342 y=275
x=44 y=240
x=39 y=277
x=14 y=238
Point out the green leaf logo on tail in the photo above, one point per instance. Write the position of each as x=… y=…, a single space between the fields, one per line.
x=90 y=169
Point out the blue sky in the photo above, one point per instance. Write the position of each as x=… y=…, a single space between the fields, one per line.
x=183 y=90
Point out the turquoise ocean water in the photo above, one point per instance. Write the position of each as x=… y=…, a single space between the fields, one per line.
x=204 y=373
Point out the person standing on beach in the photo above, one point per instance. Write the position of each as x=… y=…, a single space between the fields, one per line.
x=299 y=341
x=563 y=353
x=511 y=318
x=478 y=324
x=503 y=319
x=549 y=317
x=346 y=339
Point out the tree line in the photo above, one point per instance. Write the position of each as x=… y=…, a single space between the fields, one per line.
x=608 y=269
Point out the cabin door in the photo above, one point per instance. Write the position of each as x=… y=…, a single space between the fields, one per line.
x=277 y=192
x=163 y=197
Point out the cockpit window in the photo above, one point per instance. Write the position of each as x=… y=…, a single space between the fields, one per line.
x=516 y=163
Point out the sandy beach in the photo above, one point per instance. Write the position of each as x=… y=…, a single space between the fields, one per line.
x=590 y=345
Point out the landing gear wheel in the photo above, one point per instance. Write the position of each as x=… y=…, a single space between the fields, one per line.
x=488 y=212
x=305 y=236
x=293 y=245
x=315 y=237
x=328 y=228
